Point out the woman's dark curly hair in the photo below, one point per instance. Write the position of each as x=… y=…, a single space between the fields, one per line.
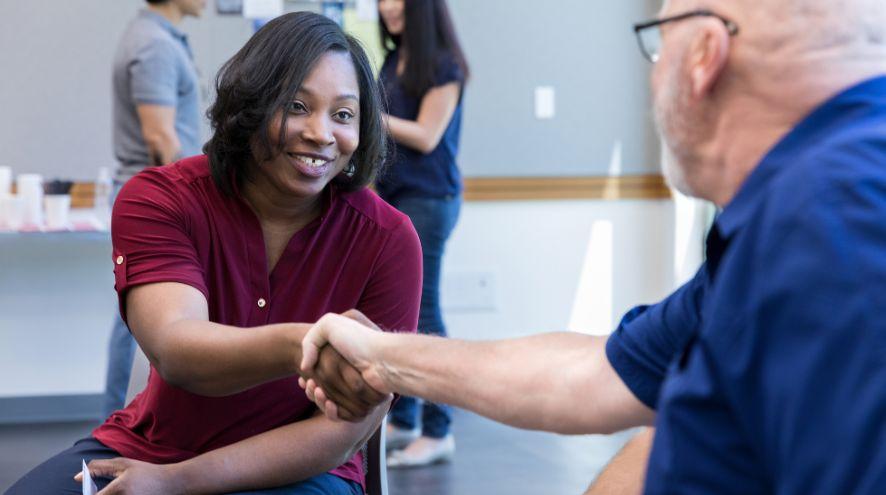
x=260 y=82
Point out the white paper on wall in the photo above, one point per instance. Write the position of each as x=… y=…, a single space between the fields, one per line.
x=367 y=10
x=262 y=9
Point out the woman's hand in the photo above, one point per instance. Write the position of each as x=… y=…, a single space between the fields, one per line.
x=133 y=477
x=337 y=392
x=355 y=398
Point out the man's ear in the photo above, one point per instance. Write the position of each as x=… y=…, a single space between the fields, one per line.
x=708 y=55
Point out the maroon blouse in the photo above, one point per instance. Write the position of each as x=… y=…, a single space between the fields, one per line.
x=171 y=224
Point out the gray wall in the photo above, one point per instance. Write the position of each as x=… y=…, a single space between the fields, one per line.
x=586 y=50
x=55 y=83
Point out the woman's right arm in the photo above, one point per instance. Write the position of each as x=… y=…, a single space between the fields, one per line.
x=171 y=323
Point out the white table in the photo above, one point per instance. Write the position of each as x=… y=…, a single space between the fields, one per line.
x=57 y=304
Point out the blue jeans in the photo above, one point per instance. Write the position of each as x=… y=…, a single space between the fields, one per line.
x=121 y=349
x=434 y=219
x=56 y=476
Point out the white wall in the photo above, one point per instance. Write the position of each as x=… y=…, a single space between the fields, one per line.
x=55 y=86
x=58 y=300
x=534 y=252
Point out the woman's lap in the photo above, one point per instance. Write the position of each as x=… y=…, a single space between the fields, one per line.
x=56 y=476
x=324 y=484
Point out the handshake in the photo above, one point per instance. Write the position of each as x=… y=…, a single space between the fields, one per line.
x=339 y=367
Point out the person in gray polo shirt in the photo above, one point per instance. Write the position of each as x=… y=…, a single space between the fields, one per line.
x=156 y=121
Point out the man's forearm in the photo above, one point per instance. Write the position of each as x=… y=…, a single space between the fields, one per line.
x=163 y=151
x=626 y=473
x=282 y=456
x=559 y=382
x=211 y=359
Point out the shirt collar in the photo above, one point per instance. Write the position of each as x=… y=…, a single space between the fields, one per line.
x=165 y=24
x=822 y=122
x=330 y=196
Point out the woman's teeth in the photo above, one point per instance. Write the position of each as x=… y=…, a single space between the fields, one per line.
x=311 y=162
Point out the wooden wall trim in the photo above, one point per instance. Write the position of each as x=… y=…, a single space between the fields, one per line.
x=517 y=189
x=561 y=188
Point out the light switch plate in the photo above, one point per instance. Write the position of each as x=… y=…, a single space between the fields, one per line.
x=545 y=103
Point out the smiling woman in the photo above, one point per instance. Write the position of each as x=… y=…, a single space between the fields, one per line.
x=262 y=107
x=222 y=260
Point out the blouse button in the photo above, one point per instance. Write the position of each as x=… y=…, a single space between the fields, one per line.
x=119 y=260
x=262 y=303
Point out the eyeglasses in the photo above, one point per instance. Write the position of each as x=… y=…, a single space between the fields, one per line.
x=649 y=33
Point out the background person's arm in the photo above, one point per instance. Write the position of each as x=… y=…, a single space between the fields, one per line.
x=158 y=130
x=559 y=382
x=434 y=114
x=625 y=474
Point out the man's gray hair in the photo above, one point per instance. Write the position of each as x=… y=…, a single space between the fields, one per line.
x=817 y=24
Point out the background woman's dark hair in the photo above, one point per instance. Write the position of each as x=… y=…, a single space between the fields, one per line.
x=262 y=79
x=428 y=34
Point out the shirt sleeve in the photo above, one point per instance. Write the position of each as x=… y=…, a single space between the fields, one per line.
x=448 y=71
x=150 y=235
x=392 y=296
x=153 y=75
x=649 y=338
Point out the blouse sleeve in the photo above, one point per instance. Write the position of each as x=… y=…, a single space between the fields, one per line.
x=391 y=299
x=150 y=235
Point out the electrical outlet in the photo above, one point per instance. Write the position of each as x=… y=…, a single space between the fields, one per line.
x=468 y=291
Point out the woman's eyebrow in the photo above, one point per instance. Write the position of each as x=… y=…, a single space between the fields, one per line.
x=343 y=96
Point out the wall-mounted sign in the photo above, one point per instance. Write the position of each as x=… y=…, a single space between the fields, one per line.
x=262 y=9
x=335 y=11
x=367 y=10
x=229 y=7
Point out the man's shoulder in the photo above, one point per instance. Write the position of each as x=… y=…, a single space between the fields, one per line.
x=833 y=175
x=143 y=35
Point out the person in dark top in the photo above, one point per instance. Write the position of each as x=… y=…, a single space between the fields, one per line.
x=221 y=259
x=424 y=75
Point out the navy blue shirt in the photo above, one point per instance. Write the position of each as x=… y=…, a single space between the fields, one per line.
x=411 y=172
x=781 y=385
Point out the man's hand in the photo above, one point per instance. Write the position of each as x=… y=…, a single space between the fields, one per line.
x=354 y=398
x=355 y=338
x=134 y=477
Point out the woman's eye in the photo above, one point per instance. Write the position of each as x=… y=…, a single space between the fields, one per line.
x=344 y=116
x=297 y=107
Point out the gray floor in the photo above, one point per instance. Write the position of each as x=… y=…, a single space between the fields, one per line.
x=491 y=458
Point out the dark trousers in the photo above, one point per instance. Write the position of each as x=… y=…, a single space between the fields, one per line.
x=56 y=476
x=434 y=219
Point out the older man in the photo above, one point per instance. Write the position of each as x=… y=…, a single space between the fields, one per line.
x=768 y=370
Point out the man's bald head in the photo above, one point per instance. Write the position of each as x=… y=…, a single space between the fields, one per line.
x=799 y=26
x=722 y=100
